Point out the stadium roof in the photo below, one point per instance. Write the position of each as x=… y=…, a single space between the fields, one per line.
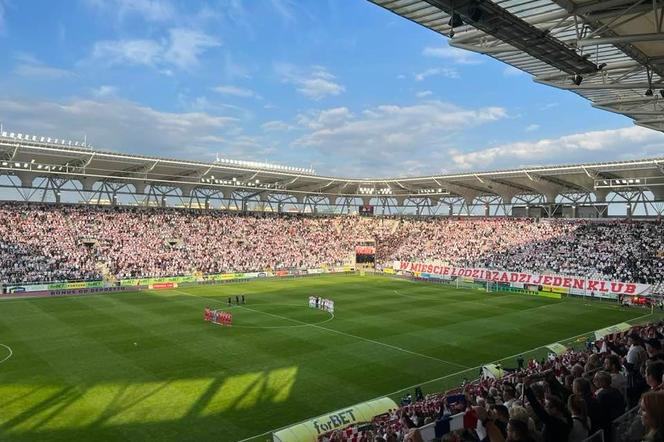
x=27 y=159
x=610 y=52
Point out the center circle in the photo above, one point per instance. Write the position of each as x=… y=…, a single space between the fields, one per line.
x=271 y=316
x=9 y=353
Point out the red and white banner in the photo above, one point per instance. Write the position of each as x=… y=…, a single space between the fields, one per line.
x=567 y=282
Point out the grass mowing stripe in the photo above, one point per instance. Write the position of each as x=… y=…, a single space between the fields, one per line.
x=394 y=347
x=447 y=376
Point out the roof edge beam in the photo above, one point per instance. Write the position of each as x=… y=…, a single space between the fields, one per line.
x=634 y=38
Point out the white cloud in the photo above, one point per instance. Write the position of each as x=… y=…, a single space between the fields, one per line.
x=135 y=52
x=29 y=66
x=612 y=144
x=454 y=55
x=445 y=72
x=235 y=91
x=204 y=104
x=532 y=127
x=186 y=45
x=423 y=94
x=233 y=69
x=128 y=126
x=276 y=126
x=388 y=139
x=149 y=10
x=182 y=49
x=104 y=91
x=315 y=83
x=326 y=119
x=285 y=9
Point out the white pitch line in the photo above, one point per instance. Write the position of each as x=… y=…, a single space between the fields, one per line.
x=409 y=296
x=435 y=379
x=220 y=301
x=394 y=347
x=10 y=352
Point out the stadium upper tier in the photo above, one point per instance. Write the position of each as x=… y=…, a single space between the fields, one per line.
x=610 y=52
x=34 y=164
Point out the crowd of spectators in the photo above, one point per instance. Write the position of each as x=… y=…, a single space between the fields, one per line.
x=565 y=398
x=44 y=243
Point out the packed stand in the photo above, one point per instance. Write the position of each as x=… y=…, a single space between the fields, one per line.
x=44 y=243
x=565 y=398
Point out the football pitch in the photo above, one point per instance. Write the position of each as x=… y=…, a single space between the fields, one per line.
x=146 y=367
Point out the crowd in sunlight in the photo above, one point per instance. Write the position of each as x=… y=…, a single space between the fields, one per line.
x=44 y=243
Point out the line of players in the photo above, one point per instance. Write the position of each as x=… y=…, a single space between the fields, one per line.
x=321 y=303
x=217 y=316
x=238 y=300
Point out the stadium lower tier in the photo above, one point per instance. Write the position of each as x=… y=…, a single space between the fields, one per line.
x=44 y=243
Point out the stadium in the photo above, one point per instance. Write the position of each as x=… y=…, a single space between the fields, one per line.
x=150 y=298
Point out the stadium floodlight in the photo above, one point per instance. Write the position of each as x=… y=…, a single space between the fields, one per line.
x=19 y=136
x=39 y=166
x=4 y=164
x=17 y=164
x=258 y=181
x=48 y=140
x=11 y=135
x=41 y=140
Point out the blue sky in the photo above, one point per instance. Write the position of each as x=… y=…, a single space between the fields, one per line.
x=340 y=85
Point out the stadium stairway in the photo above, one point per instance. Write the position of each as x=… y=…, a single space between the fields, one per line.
x=105 y=272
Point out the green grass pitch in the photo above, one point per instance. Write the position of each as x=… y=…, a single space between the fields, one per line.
x=145 y=367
